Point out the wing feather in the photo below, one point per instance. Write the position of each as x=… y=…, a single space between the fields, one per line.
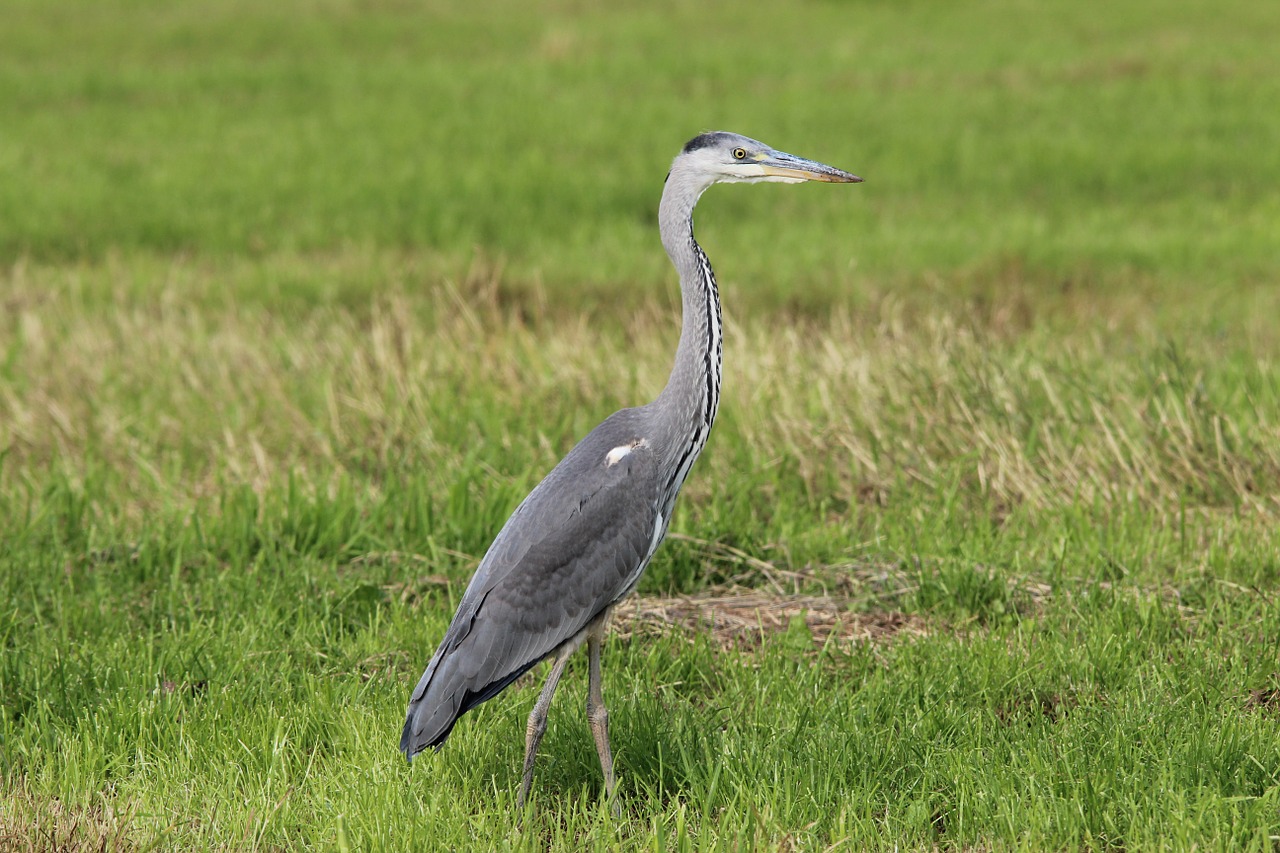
x=570 y=550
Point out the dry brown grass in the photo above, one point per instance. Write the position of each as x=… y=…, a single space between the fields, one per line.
x=742 y=619
x=188 y=381
x=30 y=824
x=1041 y=421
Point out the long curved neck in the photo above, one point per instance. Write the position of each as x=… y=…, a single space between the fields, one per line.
x=687 y=406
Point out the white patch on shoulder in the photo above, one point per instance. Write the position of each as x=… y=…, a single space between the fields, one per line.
x=622 y=451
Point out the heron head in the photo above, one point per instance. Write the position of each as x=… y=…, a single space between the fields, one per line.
x=729 y=157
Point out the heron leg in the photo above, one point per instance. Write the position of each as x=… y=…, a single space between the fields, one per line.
x=597 y=715
x=538 y=720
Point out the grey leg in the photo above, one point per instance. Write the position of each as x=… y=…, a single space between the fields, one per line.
x=538 y=720
x=597 y=715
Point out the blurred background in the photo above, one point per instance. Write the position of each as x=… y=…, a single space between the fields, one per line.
x=1054 y=141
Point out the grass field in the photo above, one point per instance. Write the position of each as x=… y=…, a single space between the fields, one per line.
x=297 y=301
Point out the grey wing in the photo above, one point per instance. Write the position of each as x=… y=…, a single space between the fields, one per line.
x=575 y=545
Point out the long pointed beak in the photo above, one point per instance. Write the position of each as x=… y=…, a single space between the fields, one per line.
x=788 y=167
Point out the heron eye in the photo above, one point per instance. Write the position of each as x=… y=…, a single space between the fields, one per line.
x=739 y=153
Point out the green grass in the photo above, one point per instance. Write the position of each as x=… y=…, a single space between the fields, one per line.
x=297 y=303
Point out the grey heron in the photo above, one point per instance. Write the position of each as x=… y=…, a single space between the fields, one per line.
x=578 y=544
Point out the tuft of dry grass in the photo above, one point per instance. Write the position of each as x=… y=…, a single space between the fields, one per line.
x=30 y=824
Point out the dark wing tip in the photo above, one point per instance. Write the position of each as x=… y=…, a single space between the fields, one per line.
x=406 y=742
x=411 y=743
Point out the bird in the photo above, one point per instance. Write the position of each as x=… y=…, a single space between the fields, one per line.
x=580 y=541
